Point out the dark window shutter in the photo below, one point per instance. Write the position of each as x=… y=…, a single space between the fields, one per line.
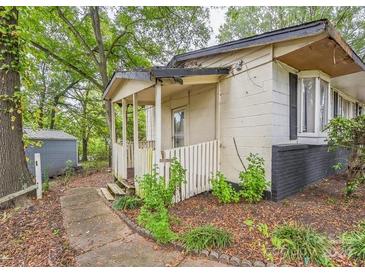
x=293 y=102
x=357 y=109
x=335 y=104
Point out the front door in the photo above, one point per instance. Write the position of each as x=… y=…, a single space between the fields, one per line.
x=178 y=127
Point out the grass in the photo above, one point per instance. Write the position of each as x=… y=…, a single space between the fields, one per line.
x=204 y=237
x=127 y=202
x=354 y=243
x=299 y=243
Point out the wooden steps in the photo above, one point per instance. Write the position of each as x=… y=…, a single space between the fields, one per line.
x=115 y=189
x=107 y=194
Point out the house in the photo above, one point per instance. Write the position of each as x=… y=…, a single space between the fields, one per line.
x=270 y=94
x=55 y=147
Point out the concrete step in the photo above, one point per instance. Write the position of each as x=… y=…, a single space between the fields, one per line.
x=107 y=194
x=115 y=189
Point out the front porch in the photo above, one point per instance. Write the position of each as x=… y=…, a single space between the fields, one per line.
x=182 y=123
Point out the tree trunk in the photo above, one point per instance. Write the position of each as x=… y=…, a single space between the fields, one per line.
x=14 y=174
x=84 y=149
x=102 y=64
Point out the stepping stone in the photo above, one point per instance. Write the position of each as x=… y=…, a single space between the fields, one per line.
x=107 y=194
x=115 y=189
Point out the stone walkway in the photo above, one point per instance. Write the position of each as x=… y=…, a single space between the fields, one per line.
x=105 y=240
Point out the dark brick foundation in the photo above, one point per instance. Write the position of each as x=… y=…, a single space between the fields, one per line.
x=295 y=166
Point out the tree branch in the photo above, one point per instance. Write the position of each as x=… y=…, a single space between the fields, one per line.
x=76 y=33
x=68 y=64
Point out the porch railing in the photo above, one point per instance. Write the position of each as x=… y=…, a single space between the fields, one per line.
x=200 y=162
x=141 y=145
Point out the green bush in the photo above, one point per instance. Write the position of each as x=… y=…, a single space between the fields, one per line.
x=223 y=190
x=204 y=237
x=127 y=202
x=354 y=243
x=302 y=243
x=157 y=197
x=253 y=181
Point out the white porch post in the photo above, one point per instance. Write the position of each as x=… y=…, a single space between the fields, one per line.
x=124 y=137
x=135 y=132
x=158 y=123
x=113 y=137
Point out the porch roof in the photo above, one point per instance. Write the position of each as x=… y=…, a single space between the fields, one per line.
x=151 y=75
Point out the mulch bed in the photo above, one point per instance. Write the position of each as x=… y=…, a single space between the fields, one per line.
x=33 y=235
x=321 y=206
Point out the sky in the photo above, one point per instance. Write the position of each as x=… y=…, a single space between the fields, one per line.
x=216 y=20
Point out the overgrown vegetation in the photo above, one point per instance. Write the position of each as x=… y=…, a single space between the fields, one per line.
x=127 y=202
x=157 y=197
x=69 y=171
x=354 y=243
x=299 y=243
x=253 y=179
x=205 y=237
x=223 y=190
x=349 y=134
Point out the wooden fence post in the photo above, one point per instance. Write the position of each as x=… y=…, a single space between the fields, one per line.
x=38 y=174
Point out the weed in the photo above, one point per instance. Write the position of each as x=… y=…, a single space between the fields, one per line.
x=253 y=180
x=223 y=190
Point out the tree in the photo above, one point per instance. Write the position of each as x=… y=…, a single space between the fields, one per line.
x=93 y=41
x=14 y=173
x=247 y=21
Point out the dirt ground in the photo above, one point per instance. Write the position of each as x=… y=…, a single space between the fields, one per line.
x=321 y=206
x=33 y=235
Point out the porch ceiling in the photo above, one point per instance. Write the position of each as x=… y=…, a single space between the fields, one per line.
x=353 y=84
x=325 y=55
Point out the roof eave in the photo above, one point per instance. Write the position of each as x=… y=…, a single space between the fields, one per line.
x=304 y=30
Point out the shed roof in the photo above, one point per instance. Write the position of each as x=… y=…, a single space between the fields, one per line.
x=47 y=134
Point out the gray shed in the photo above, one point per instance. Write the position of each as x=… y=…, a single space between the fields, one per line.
x=55 y=147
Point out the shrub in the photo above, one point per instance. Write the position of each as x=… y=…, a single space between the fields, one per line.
x=223 y=190
x=157 y=197
x=354 y=243
x=301 y=243
x=349 y=134
x=204 y=237
x=253 y=180
x=127 y=202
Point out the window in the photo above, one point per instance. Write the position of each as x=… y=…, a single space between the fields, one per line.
x=345 y=108
x=308 y=98
x=323 y=104
x=178 y=127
